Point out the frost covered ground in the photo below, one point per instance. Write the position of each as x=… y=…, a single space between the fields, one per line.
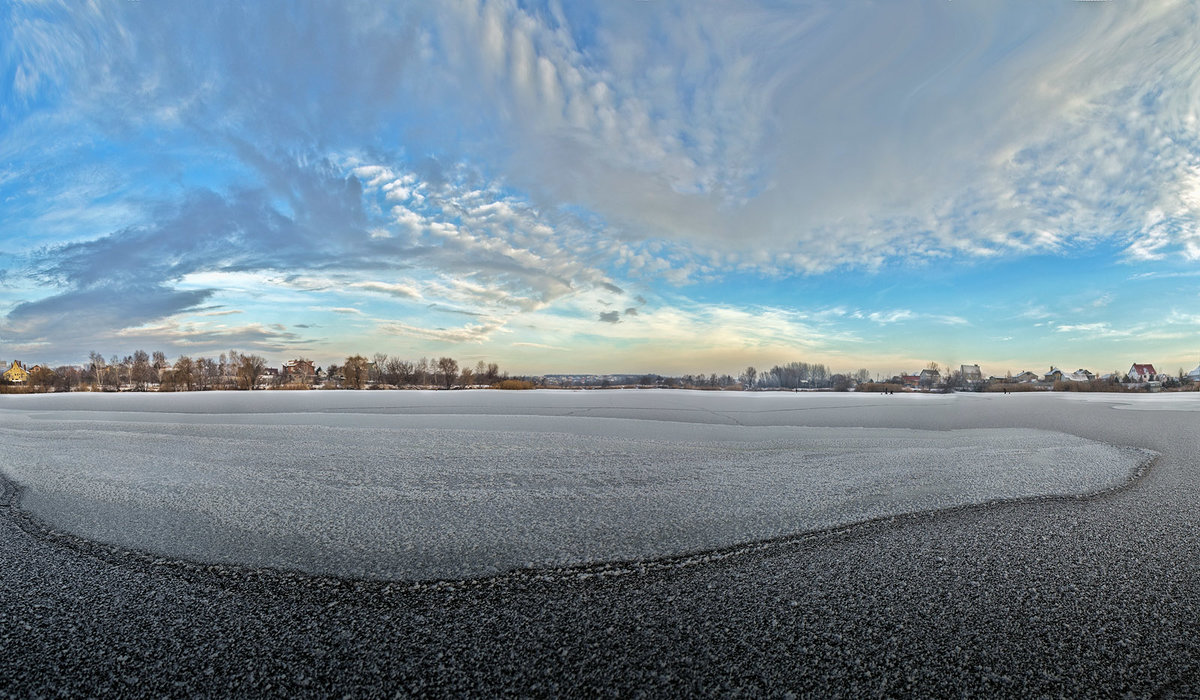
x=461 y=484
x=1042 y=597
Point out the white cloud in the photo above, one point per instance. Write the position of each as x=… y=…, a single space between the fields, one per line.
x=816 y=133
x=403 y=291
x=1100 y=329
x=748 y=127
x=226 y=312
x=540 y=346
x=471 y=333
x=900 y=315
x=887 y=316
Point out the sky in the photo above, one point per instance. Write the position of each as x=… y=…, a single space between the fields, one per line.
x=621 y=186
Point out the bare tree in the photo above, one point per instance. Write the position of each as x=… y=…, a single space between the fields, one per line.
x=398 y=371
x=206 y=373
x=447 y=369
x=124 y=370
x=41 y=377
x=422 y=371
x=378 y=371
x=749 y=377
x=112 y=373
x=356 y=371
x=95 y=368
x=158 y=363
x=67 y=378
x=231 y=368
x=140 y=370
x=249 y=369
x=184 y=373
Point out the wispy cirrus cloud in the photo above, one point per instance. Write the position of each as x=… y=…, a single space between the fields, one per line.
x=404 y=291
x=201 y=338
x=686 y=139
x=344 y=310
x=899 y=316
x=224 y=312
x=471 y=333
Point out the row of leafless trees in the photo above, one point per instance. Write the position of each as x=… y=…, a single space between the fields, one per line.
x=357 y=372
x=141 y=371
x=236 y=370
x=795 y=375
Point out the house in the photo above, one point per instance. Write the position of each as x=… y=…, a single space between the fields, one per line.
x=299 y=370
x=910 y=380
x=1054 y=375
x=16 y=374
x=1079 y=375
x=1025 y=377
x=971 y=374
x=930 y=377
x=1142 y=373
x=1194 y=375
x=269 y=377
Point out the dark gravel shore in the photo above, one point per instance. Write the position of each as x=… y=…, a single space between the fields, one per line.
x=1097 y=596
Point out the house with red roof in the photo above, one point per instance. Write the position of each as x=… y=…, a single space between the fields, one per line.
x=1143 y=373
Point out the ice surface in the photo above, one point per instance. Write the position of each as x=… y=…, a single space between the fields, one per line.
x=421 y=485
x=1171 y=401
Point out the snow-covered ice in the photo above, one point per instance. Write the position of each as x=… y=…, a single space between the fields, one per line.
x=421 y=485
x=1174 y=401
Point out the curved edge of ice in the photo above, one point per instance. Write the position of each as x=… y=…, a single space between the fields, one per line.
x=10 y=506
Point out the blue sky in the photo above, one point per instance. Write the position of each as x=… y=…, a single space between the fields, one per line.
x=604 y=187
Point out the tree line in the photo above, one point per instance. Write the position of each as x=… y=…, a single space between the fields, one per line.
x=140 y=371
x=234 y=370
x=357 y=372
x=802 y=375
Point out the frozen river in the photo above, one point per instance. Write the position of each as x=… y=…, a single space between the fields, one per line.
x=428 y=485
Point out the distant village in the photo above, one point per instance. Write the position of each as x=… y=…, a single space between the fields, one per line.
x=143 y=371
x=1139 y=377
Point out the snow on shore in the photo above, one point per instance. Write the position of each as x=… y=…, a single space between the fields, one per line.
x=452 y=484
